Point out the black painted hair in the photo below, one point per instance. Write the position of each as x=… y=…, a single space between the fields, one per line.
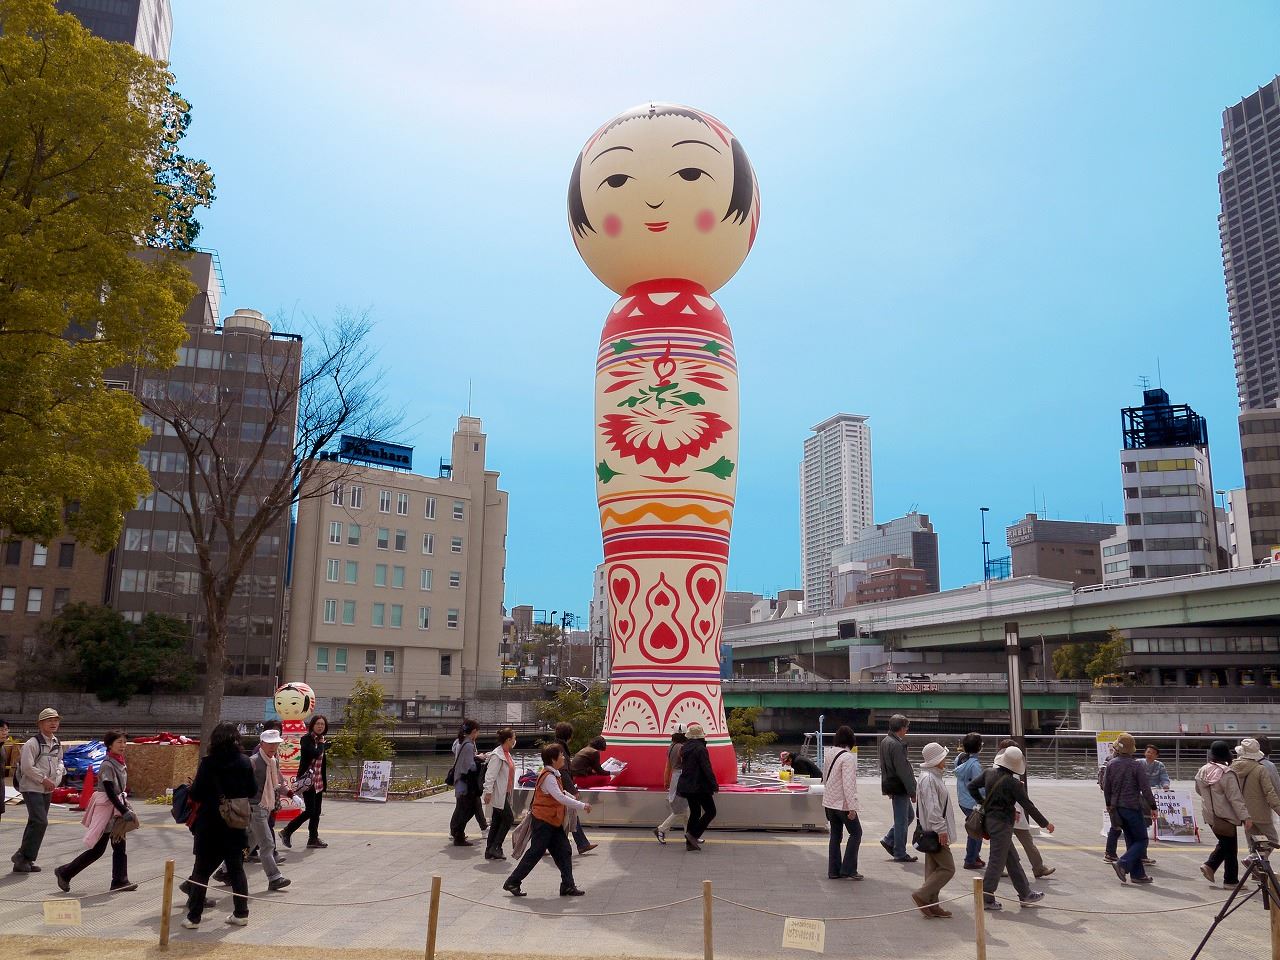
x=549 y=754
x=744 y=178
x=311 y=724
x=844 y=737
x=972 y=742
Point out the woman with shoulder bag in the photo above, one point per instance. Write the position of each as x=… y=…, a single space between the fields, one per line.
x=499 y=785
x=223 y=787
x=698 y=785
x=677 y=806
x=107 y=808
x=313 y=773
x=840 y=799
x=465 y=798
x=935 y=829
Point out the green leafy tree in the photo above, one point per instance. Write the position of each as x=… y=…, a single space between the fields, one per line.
x=95 y=649
x=1109 y=657
x=746 y=740
x=365 y=724
x=90 y=173
x=584 y=710
x=1071 y=660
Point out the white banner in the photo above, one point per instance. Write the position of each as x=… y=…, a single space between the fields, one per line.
x=1176 y=816
x=375 y=780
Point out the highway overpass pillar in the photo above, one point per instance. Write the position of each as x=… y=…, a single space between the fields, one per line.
x=1014 y=653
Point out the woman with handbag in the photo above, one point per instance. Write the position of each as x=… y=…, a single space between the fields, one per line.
x=499 y=785
x=999 y=791
x=935 y=829
x=466 y=799
x=107 y=818
x=676 y=804
x=313 y=773
x=698 y=785
x=840 y=800
x=222 y=787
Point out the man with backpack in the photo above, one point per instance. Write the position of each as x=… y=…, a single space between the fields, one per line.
x=39 y=770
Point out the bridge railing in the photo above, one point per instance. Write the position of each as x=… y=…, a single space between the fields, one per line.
x=769 y=684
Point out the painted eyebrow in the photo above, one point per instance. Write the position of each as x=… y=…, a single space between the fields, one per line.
x=703 y=142
x=603 y=152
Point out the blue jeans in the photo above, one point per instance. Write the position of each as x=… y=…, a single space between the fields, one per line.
x=902 y=817
x=1134 y=825
x=1113 y=838
x=845 y=865
x=973 y=845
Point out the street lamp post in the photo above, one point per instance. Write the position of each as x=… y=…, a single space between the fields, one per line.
x=986 y=544
x=813 y=651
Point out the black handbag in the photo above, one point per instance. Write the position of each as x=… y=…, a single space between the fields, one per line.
x=926 y=841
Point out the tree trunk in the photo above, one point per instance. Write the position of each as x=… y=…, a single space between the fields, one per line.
x=215 y=679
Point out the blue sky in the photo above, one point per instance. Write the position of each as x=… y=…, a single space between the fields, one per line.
x=982 y=223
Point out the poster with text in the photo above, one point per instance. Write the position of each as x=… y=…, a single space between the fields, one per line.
x=375 y=780
x=1106 y=743
x=1175 y=816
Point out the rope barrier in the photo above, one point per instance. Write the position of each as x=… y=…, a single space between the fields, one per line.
x=279 y=901
x=86 y=896
x=870 y=916
x=535 y=913
x=1041 y=905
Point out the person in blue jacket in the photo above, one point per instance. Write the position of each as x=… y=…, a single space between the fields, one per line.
x=968 y=768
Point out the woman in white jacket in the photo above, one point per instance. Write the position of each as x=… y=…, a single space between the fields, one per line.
x=840 y=798
x=499 y=784
x=935 y=817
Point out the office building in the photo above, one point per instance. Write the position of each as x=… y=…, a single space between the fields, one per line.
x=399 y=577
x=892 y=583
x=835 y=499
x=1170 y=526
x=911 y=537
x=1058 y=549
x=145 y=24
x=598 y=623
x=737 y=606
x=788 y=603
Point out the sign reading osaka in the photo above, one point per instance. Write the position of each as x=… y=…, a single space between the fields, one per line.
x=375 y=451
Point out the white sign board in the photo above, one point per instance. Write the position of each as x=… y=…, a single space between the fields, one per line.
x=375 y=780
x=804 y=934
x=1175 y=816
x=63 y=913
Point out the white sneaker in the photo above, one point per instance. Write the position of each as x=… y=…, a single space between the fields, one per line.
x=191 y=924
x=237 y=921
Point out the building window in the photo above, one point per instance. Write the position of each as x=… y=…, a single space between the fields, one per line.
x=397 y=616
x=332 y=569
x=340 y=660
x=424 y=618
x=61 y=596
x=39 y=555
x=379 y=615
x=353 y=534
x=380 y=575
x=13 y=553
x=322 y=659
x=348 y=613
x=446 y=664
x=388 y=661
x=429 y=512
x=384 y=538
x=337 y=502
x=331 y=611
x=397 y=578
x=458 y=509
x=335 y=531
x=455 y=545
x=371 y=661
x=402 y=504
x=402 y=540
x=9 y=595
x=66 y=555
x=428 y=543
x=357 y=500
x=451 y=619
x=384 y=501
x=35 y=597
x=455 y=578
x=424 y=580
x=352 y=571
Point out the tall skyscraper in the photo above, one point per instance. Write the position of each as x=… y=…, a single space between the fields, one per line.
x=145 y=24
x=1249 y=226
x=835 y=499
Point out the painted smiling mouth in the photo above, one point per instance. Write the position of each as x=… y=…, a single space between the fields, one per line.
x=657 y=227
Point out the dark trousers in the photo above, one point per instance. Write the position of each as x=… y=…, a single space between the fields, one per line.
x=464 y=808
x=1113 y=840
x=1134 y=825
x=903 y=814
x=208 y=861
x=37 y=805
x=702 y=810
x=1003 y=855
x=498 y=829
x=478 y=813
x=845 y=865
x=972 y=845
x=119 y=860
x=1226 y=855
x=545 y=836
x=312 y=803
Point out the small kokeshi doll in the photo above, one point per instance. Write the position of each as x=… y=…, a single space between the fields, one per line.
x=663 y=206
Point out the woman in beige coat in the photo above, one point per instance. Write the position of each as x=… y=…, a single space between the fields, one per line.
x=1224 y=811
x=1260 y=796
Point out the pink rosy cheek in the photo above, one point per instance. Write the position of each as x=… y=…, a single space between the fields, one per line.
x=705 y=221
x=612 y=225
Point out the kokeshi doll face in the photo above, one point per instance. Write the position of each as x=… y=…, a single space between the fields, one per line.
x=663 y=191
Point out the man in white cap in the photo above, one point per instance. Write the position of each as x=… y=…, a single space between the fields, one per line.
x=40 y=769
x=933 y=812
x=1000 y=790
x=1260 y=796
x=268 y=787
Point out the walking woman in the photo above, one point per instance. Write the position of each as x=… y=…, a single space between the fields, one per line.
x=224 y=774
x=840 y=798
x=697 y=785
x=938 y=828
x=464 y=789
x=999 y=790
x=1224 y=811
x=499 y=786
x=313 y=774
x=548 y=809
x=677 y=804
x=106 y=807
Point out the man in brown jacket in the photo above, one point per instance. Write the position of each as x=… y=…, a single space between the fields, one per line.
x=1260 y=796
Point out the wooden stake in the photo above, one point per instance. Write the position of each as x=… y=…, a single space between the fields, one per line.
x=1275 y=924
x=433 y=917
x=707 y=953
x=166 y=904
x=979 y=918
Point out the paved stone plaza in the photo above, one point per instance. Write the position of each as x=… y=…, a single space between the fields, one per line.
x=379 y=852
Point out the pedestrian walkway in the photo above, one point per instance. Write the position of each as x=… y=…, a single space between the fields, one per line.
x=378 y=852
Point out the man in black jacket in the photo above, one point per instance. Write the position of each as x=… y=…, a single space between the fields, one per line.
x=898 y=783
x=564 y=733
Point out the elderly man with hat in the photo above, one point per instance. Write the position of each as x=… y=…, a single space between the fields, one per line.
x=1260 y=797
x=934 y=817
x=268 y=787
x=1131 y=805
x=1000 y=790
x=40 y=769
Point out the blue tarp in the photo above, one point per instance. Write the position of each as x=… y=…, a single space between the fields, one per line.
x=79 y=759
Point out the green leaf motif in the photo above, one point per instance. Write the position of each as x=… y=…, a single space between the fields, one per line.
x=690 y=399
x=605 y=473
x=622 y=346
x=713 y=348
x=722 y=468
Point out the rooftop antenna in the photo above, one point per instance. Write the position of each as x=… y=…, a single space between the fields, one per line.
x=1144 y=382
x=1159 y=375
x=468 y=396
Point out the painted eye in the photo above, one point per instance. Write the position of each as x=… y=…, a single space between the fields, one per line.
x=693 y=174
x=617 y=180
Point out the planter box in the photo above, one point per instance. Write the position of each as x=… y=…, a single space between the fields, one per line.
x=156 y=767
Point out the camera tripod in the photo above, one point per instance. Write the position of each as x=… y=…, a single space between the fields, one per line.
x=1257 y=868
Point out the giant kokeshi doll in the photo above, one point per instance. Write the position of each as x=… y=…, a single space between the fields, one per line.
x=663 y=206
x=294 y=702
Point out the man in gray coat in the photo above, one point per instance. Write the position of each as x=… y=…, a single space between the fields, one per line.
x=268 y=787
x=898 y=783
x=40 y=769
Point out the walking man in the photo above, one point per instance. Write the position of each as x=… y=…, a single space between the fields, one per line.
x=40 y=769
x=267 y=790
x=1130 y=803
x=969 y=769
x=935 y=818
x=898 y=783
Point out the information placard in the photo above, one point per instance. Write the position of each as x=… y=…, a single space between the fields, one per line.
x=804 y=934
x=375 y=780
x=62 y=913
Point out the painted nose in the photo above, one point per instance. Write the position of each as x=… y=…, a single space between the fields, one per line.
x=654 y=206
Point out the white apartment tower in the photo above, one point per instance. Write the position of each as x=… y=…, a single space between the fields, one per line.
x=835 y=499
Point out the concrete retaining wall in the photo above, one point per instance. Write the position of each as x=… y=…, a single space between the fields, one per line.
x=1232 y=718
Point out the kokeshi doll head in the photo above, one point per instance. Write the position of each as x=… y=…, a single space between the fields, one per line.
x=663 y=191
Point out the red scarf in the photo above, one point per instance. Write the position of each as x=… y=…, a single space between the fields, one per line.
x=117 y=757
